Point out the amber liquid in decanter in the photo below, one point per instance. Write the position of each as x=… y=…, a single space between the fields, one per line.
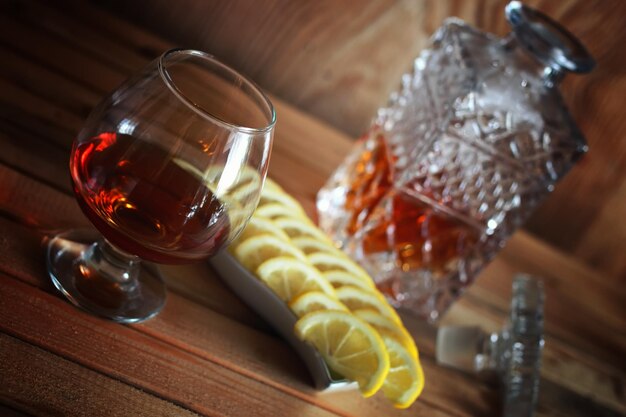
x=418 y=231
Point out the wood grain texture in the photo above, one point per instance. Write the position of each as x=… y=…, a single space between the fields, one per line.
x=184 y=325
x=139 y=360
x=59 y=61
x=303 y=51
x=43 y=384
x=340 y=60
x=6 y=411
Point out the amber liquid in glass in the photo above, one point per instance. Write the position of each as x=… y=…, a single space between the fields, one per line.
x=420 y=236
x=144 y=203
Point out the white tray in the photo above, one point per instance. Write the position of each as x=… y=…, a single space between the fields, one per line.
x=273 y=310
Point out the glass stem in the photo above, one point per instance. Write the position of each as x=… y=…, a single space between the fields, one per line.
x=112 y=264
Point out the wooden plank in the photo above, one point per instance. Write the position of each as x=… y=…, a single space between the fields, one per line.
x=30 y=103
x=307 y=140
x=12 y=118
x=200 y=284
x=140 y=41
x=41 y=206
x=23 y=153
x=57 y=55
x=11 y=412
x=137 y=359
x=74 y=30
x=21 y=265
x=281 y=57
x=41 y=383
x=53 y=87
x=553 y=399
x=605 y=236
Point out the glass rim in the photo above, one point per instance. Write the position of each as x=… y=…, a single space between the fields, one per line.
x=171 y=85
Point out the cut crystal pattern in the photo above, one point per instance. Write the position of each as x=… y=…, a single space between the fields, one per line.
x=463 y=153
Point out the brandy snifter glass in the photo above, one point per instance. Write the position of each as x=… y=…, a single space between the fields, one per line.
x=168 y=168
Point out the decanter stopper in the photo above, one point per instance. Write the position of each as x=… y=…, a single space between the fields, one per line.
x=549 y=42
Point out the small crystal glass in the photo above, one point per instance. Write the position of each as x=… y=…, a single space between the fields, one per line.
x=512 y=355
x=475 y=138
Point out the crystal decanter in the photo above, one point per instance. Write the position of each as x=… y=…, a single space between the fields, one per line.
x=474 y=139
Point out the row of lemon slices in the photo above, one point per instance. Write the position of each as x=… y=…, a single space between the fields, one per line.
x=359 y=335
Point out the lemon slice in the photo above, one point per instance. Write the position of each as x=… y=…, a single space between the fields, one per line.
x=271 y=195
x=276 y=210
x=297 y=228
x=187 y=166
x=332 y=262
x=260 y=226
x=289 y=277
x=356 y=298
x=350 y=347
x=405 y=380
x=314 y=301
x=254 y=251
x=310 y=245
x=243 y=176
x=237 y=218
x=246 y=192
x=237 y=214
x=270 y=184
x=341 y=278
x=227 y=180
x=389 y=328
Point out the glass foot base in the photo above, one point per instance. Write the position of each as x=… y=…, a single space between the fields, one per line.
x=80 y=268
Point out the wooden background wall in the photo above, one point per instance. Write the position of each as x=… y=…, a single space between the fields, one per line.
x=340 y=59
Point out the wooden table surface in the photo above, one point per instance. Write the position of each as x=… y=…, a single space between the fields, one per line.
x=207 y=353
